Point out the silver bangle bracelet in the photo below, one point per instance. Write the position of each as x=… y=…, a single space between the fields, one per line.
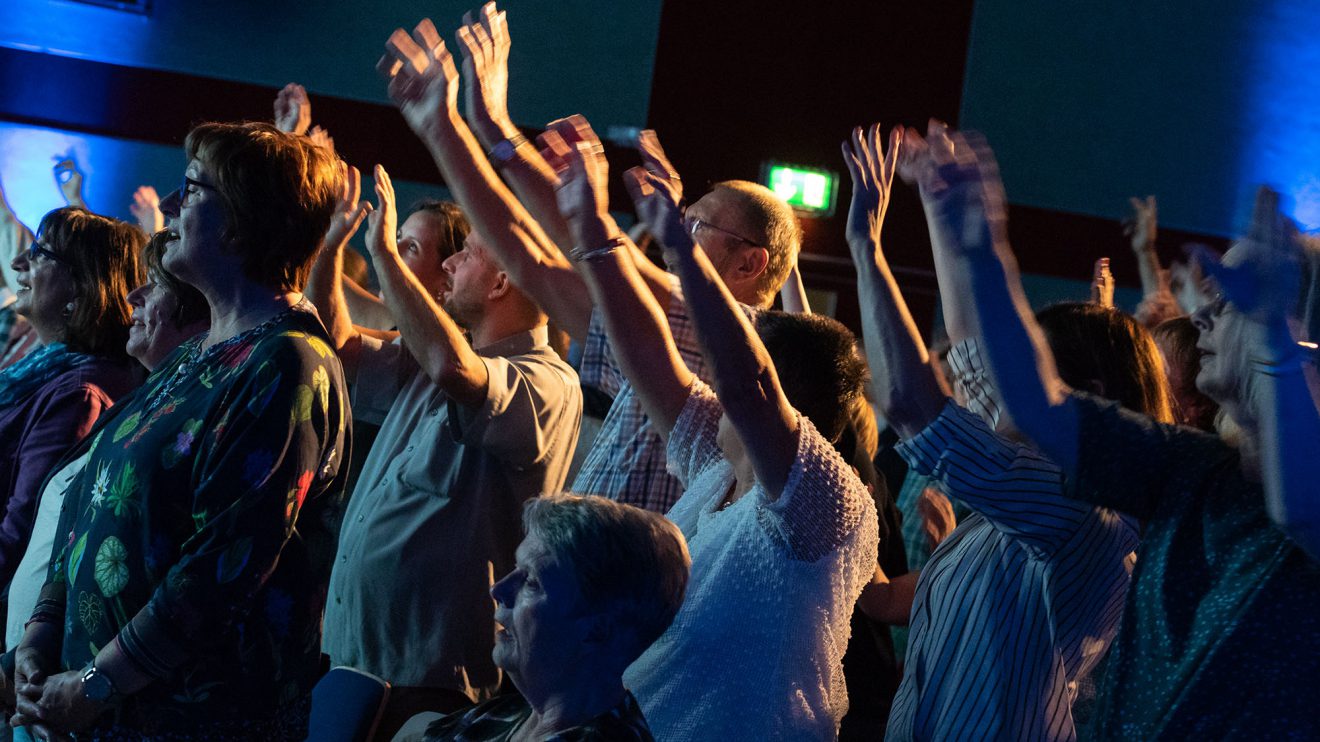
x=579 y=254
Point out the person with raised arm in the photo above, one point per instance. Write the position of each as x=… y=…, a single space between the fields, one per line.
x=782 y=532
x=469 y=430
x=751 y=234
x=1038 y=580
x=1219 y=635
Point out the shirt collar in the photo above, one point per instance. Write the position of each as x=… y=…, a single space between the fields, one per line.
x=519 y=343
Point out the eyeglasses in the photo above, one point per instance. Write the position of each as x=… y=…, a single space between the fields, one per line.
x=36 y=248
x=189 y=182
x=692 y=224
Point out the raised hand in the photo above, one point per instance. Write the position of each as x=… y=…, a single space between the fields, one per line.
x=1142 y=226
x=578 y=158
x=961 y=190
x=349 y=211
x=70 y=179
x=293 y=111
x=656 y=163
x=937 y=518
x=423 y=78
x=146 y=210
x=657 y=194
x=383 y=224
x=872 y=170
x=1102 y=284
x=1263 y=273
x=484 y=45
x=321 y=138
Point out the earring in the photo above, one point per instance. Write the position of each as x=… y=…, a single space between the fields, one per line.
x=68 y=309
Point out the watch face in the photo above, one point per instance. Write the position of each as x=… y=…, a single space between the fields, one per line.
x=96 y=686
x=503 y=151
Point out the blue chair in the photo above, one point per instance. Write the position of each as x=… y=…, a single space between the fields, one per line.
x=346 y=706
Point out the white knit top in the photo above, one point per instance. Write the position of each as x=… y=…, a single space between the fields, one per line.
x=756 y=650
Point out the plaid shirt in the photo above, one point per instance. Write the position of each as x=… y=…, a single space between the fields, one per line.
x=627 y=461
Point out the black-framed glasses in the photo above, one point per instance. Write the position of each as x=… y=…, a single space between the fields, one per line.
x=187 y=183
x=693 y=224
x=35 y=248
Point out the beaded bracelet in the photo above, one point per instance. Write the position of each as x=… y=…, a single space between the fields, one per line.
x=579 y=254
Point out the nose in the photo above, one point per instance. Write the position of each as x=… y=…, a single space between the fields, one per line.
x=169 y=206
x=1201 y=318
x=20 y=261
x=502 y=591
x=451 y=262
x=138 y=296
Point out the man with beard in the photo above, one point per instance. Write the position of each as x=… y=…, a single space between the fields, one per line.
x=469 y=430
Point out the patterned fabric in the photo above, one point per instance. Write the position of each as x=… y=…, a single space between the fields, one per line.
x=756 y=650
x=627 y=460
x=1221 y=633
x=1018 y=604
x=7 y=314
x=498 y=718
x=34 y=370
x=198 y=535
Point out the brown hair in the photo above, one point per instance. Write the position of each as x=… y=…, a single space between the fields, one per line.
x=1092 y=343
x=192 y=306
x=1178 y=337
x=454 y=224
x=279 y=192
x=101 y=255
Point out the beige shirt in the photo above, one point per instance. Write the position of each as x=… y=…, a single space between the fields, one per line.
x=436 y=514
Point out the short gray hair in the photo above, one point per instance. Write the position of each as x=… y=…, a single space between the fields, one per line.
x=776 y=224
x=628 y=561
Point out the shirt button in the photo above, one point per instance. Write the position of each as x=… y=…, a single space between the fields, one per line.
x=360 y=518
x=409 y=448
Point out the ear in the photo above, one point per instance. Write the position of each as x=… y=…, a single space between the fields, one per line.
x=500 y=287
x=751 y=263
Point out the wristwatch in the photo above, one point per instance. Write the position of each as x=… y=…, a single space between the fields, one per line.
x=504 y=149
x=97 y=686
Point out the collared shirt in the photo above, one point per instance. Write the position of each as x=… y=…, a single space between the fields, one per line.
x=756 y=650
x=198 y=535
x=497 y=719
x=1221 y=632
x=1020 y=602
x=436 y=514
x=627 y=459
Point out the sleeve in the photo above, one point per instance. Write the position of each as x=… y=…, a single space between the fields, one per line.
x=383 y=369
x=55 y=426
x=972 y=387
x=531 y=405
x=285 y=424
x=823 y=502
x=599 y=369
x=1130 y=463
x=693 y=445
x=1018 y=490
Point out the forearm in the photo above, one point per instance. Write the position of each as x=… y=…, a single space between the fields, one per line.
x=1289 y=426
x=889 y=601
x=367 y=309
x=904 y=383
x=530 y=176
x=640 y=337
x=519 y=244
x=430 y=334
x=1148 y=267
x=960 y=317
x=326 y=293
x=794 y=294
x=1017 y=357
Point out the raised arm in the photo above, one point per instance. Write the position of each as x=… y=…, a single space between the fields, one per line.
x=14 y=238
x=1158 y=302
x=965 y=206
x=1261 y=282
x=146 y=210
x=324 y=284
x=293 y=110
x=424 y=85
x=429 y=333
x=906 y=388
x=70 y=180
x=743 y=374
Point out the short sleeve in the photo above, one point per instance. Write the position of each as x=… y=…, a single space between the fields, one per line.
x=528 y=401
x=972 y=386
x=383 y=369
x=693 y=443
x=823 y=502
x=1129 y=462
x=281 y=444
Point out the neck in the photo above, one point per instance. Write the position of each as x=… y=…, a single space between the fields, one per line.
x=244 y=306
x=496 y=326
x=560 y=709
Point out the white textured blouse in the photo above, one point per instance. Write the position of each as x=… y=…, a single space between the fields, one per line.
x=756 y=650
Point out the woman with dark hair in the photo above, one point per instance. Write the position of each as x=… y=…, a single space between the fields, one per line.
x=72 y=284
x=166 y=311
x=187 y=598
x=1176 y=338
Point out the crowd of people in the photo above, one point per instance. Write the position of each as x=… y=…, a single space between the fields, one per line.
x=702 y=520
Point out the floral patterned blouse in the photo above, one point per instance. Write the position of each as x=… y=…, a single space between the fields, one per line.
x=200 y=534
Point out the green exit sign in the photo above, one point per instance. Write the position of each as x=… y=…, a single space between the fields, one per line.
x=808 y=190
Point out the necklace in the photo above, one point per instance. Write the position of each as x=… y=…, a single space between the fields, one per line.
x=195 y=358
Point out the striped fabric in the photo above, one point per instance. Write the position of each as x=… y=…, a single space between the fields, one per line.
x=1018 y=604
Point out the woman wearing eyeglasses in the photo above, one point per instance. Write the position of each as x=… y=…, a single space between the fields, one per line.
x=73 y=284
x=187 y=582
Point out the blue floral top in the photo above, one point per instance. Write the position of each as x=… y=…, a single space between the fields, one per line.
x=200 y=534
